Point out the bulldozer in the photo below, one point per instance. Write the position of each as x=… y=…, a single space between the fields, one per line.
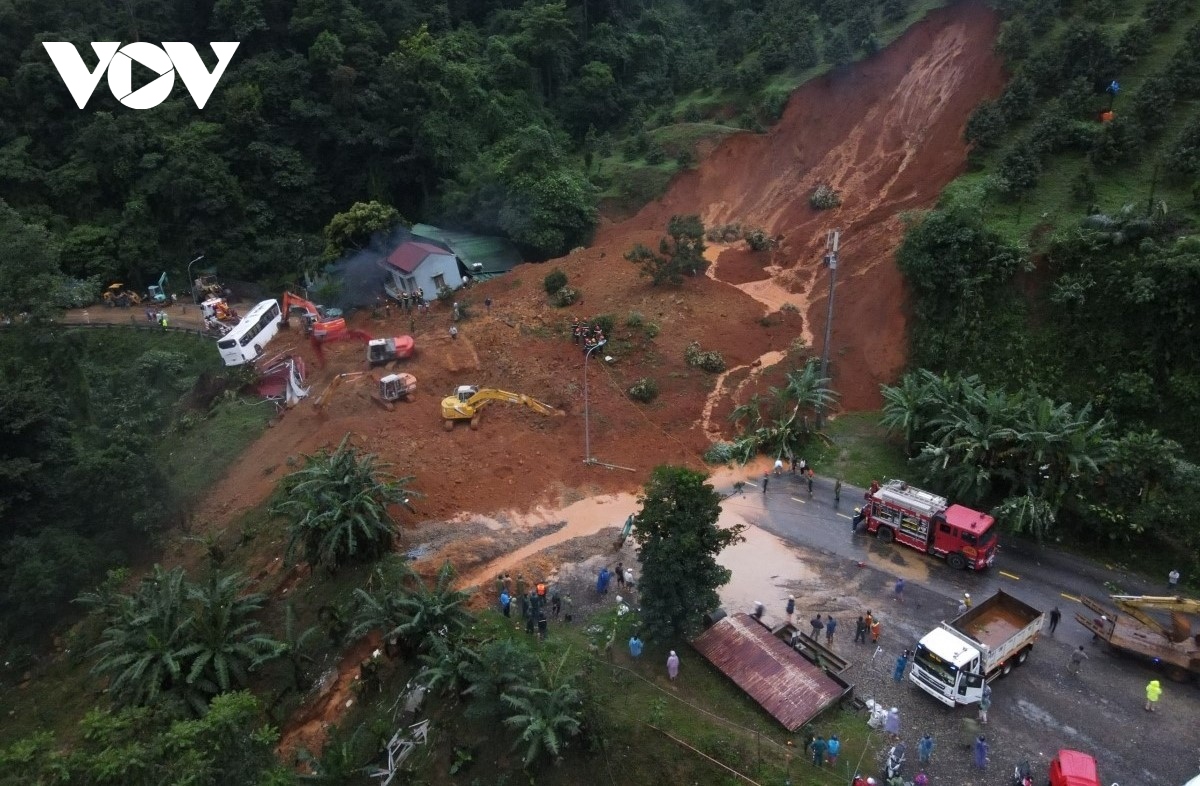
x=385 y=350
x=115 y=295
x=392 y=388
x=468 y=402
x=206 y=287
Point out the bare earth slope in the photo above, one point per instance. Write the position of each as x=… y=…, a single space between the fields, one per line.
x=886 y=133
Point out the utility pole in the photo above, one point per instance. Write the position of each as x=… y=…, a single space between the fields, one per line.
x=587 y=424
x=832 y=241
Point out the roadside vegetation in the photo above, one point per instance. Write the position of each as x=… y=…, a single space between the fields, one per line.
x=505 y=705
x=1054 y=333
x=91 y=420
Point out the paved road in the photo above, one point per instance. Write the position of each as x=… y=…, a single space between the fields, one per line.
x=1039 y=708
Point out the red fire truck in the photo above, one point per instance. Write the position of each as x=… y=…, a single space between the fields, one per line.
x=965 y=538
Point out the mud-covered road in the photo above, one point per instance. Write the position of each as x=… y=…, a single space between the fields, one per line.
x=804 y=547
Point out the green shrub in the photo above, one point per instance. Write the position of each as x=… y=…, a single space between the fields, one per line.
x=606 y=322
x=652 y=330
x=656 y=154
x=644 y=390
x=711 y=362
x=758 y=239
x=725 y=233
x=824 y=197
x=554 y=281
x=634 y=320
x=719 y=453
x=565 y=296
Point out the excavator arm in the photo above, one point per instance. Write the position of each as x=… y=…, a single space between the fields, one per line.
x=291 y=301
x=454 y=409
x=320 y=401
x=488 y=395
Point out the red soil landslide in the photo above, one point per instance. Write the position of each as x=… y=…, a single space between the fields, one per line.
x=887 y=134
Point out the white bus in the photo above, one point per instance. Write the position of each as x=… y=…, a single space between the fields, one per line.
x=246 y=342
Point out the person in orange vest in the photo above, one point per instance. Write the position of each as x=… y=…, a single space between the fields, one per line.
x=874 y=631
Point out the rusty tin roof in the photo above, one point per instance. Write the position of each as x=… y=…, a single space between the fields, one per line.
x=789 y=687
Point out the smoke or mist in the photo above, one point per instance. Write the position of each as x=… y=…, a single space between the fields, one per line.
x=360 y=276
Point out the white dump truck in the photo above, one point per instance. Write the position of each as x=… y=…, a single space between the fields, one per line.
x=955 y=659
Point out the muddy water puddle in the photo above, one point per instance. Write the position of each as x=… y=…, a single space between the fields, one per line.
x=763 y=567
x=586 y=517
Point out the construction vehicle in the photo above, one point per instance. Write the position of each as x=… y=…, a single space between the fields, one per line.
x=1133 y=629
x=206 y=287
x=216 y=308
x=158 y=292
x=395 y=387
x=392 y=388
x=318 y=321
x=965 y=538
x=468 y=402
x=115 y=295
x=384 y=350
x=955 y=659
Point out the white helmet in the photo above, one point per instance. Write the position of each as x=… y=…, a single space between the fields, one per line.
x=870 y=782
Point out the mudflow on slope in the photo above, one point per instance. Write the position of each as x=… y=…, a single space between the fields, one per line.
x=886 y=133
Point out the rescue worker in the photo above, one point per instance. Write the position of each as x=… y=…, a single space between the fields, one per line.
x=856 y=520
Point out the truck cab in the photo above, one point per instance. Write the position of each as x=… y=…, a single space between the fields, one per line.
x=955 y=659
x=954 y=665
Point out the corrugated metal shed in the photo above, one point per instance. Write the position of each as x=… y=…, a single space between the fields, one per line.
x=492 y=254
x=789 y=687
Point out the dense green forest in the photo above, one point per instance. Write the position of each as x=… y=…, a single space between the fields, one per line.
x=478 y=115
x=1057 y=286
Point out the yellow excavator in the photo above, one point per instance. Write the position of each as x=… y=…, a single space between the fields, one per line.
x=1133 y=629
x=469 y=400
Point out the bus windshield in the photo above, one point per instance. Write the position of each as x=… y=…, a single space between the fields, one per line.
x=944 y=671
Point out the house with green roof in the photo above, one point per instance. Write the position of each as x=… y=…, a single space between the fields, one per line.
x=482 y=257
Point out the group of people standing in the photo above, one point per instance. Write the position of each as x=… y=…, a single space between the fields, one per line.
x=536 y=603
x=622 y=574
x=157 y=315
x=413 y=300
x=587 y=334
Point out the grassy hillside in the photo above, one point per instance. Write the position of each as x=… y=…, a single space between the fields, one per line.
x=1145 y=50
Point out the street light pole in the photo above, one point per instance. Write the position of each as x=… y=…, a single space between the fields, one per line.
x=831 y=259
x=191 y=281
x=587 y=423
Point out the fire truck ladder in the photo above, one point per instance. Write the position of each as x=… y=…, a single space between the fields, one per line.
x=912 y=497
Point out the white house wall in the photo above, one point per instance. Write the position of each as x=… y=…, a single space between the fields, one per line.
x=437 y=264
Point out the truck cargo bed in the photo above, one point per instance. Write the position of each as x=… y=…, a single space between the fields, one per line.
x=993 y=629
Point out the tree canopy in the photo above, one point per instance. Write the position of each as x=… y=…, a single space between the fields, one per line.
x=678 y=543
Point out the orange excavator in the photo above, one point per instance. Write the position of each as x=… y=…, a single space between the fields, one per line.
x=319 y=322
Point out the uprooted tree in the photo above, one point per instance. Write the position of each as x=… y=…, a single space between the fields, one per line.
x=680 y=251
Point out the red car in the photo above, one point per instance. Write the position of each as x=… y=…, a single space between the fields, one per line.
x=1072 y=768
